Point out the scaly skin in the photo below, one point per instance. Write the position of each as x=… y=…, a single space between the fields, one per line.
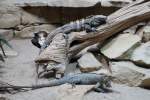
x=81 y=79
x=88 y=24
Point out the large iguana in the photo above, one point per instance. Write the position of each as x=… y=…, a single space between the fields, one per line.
x=88 y=24
x=103 y=82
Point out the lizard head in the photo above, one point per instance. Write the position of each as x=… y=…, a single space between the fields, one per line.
x=39 y=38
x=106 y=81
x=98 y=20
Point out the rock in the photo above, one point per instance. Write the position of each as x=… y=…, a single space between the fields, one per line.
x=12 y=20
x=66 y=92
x=57 y=3
x=141 y=55
x=102 y=71
x=7 y=34
x=115 y=3
x=121 y=92
x=135 y=28
x=130 y=74
x=88 y=63
x=54 y=93
x=8 y=2
x=28 y=31
x=72 y=69
x=30 y=18
x=3 y=97
x=10 y=53
x=146 y=34
x=72 y=3
x=47 y=15
x=9 y=16
x=121 y=46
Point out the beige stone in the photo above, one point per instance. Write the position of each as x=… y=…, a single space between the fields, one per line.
x=7 y=34
x=72 y=3
x=88 y=63
x=66 y=92
x=120 y=46
x=146 y=34
x=141 y=55
x=10 y=16
x=130 y=74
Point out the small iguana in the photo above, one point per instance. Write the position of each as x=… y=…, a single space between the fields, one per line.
x=88 y=24
x=76 y=79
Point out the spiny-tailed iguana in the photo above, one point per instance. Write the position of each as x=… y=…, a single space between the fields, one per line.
x=81 y=79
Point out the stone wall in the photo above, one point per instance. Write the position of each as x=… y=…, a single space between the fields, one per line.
x=35 y=18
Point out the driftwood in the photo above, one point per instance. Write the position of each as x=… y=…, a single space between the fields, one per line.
x=120 y=20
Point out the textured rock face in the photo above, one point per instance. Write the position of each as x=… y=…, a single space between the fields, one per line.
x=10 y=53
x=29 y=18
x=7 y=34
x=88 y=63
x=71 y=3
x=142 y=55
x=65 y=92
x=41 y=13
x=10 y=16
x=116 y=3
x=130 y=74
x=119 y=46
x=146 y=33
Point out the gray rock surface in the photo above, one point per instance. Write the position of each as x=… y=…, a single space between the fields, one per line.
x=20 y=70
x=142 y=55
x=7 y=34
x=10 y=16
x=121 y=92
x=71 y=3
x=116 y=3
x=31 y=18
x=130 y=74
x=120 y=46
x=10 y=53
x=88 y=63
x=72 y=69
x=66 y=92
x=146 y=33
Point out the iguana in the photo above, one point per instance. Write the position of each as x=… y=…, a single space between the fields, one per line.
x=75 y=79
x=88 y=24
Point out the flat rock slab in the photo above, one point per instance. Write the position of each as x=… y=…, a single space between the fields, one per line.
x=10 y=53
x=10 y=16
x=71 y=3
x=7 y=34
x=66 y=92
x=88 y=63
x=130 y=74
x=146 y=33
x=20 y=69
x=119 y=46
x=142 y=55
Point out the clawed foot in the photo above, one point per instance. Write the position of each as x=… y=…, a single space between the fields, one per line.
x=73 y=85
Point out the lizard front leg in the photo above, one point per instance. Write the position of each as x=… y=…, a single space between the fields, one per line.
x=88 y=28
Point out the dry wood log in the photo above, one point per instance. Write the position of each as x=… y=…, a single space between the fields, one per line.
x=120 y=20
x=116 y=22
x=55 y=54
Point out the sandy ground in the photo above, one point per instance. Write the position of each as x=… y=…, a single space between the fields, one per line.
x=21 y=70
